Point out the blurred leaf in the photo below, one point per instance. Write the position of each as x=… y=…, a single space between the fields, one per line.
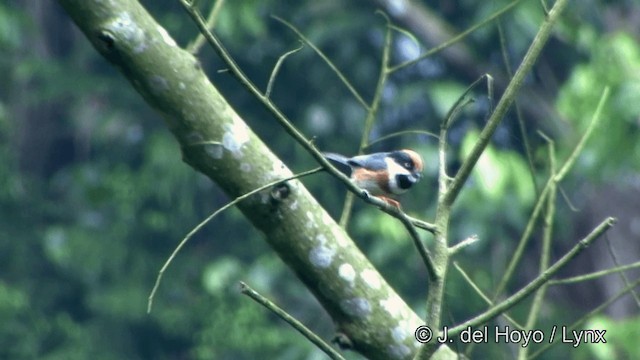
x=615 y=61
x=221 y=275
x=444 y=94
x=12 y=300
x=500 y=173
x=621 y=338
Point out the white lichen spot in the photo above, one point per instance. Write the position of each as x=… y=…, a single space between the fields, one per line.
x=294 y=205
x=393 y=305
x=123 y=27
x=245 y=167
x=401 y=332
x=321 y=238
x=158 y=84
x=311 y=223
x=321 y=256
x=166 y=37
x=356 y=307
x=234 y=137
x=398 y=351
x=214 y=150
x=371 y=278
x=182 y=86
x=347 y=273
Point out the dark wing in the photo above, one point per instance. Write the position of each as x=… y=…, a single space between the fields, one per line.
x=375 y=162
x=340 y=159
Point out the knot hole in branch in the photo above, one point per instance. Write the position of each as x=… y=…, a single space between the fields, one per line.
x=279 y=192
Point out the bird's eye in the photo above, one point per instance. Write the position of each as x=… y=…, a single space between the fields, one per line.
x=407 y=165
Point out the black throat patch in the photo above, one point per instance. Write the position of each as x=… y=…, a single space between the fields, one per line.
x=405 y=181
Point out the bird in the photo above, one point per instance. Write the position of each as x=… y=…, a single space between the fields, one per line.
x=383 y=174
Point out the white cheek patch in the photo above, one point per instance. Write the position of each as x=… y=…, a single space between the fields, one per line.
x=395 y=169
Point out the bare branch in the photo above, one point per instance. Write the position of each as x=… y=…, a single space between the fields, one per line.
x=463 y=244
x=456 y=38
x=372 y=111
x=276 y=68
x=196 y=44
x=505 y=101
x=622 y=274
x=535 y=284
x=209 y=218
x=482 y=295
x=589 y=315
x=545 y=253
x=310 y=335
x=551 y=183
x=594 y=275
x=333 y=67
x=595 y=121
x=521 y=126
x=400 y=133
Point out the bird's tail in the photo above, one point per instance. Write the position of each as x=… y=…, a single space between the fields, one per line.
x=340 y=159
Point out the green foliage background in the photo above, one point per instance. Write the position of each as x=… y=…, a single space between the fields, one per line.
x=94 y=196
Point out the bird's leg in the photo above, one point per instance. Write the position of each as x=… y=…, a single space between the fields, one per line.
x=391 y=202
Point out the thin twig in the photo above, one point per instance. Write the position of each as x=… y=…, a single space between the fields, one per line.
x=482 y=295
x=197 y=43
x=593 y=124
x=568 y=201
x=463 y=244
x=456 y=108
x=422 y=224
x=420 y=246
x=333 y=67
x=536 y=283
x=410 y=224
x=400 y=133
x=545 y=254
x=552 y=181
x=463 y=101
x=310 y=335
x=524 y=238
x=584 y=318
x=521 y=126
x=435 y=296
x=623 y=276
x=505 y=101
x=209 y=218
x=372 y=111
x=276 y=68
x=456 y=38
x=545 y=7
x=594 y=275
